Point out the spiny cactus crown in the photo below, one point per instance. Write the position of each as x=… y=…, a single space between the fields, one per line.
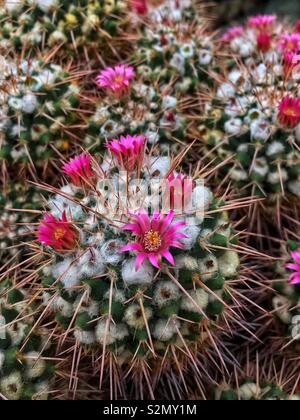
x=24 y=373
x=17 y=196
x=48 y=23
x=179 y=54
x=137 y=112
x=121 y=301
x=250 y=390
x=286 y=302
x=36 y=110
x=257 y=128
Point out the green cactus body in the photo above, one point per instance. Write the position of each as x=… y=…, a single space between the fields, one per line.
x=86 y=25
x=137 y=112
x=286 y=302
x=179 y=54
x=38 y=112
x=25 y=374
x=144 y=315
x=250 y=390
x=260 y=156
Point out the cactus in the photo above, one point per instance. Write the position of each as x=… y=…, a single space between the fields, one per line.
x=286 y=301
x=13 y=224
x=38 y=111
x=248 y=131
x=180 y=54
x=139 y=316
x=137 y=112
x=25 y=371
x=250 y=390
x=86 y=27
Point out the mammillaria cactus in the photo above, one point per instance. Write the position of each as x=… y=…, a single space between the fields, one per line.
x=180 y=54
x=143 y=298
x=253 y=125
x=137 y=106
x=85 y=27
x=25 y=373
x=38 y=110
x=286 y=302
x=12 y=224
x=264 y=378
x=250 y=390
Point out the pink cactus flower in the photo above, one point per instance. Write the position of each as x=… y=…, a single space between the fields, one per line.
x=289 y=42
x=232 y=33
x=59 y=234
x=79 y=169
x=139 y=6
x=116 y=79
x=290 y=62
x=154 y=237
x=294 y=278
x=264 y=41
x=289 y=112
x=177 y=194
x=262 y=22
x=129 y=151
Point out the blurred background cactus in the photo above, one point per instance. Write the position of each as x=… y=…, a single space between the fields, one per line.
x=25 y=373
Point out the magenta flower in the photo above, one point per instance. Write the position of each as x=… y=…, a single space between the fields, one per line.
x=289 y=112
x=290 y=62
x=264 y=40
x=289 y=42
x=154 y=237
x=129 y=151
x=297 y=27
x=139 y=6
x=294 y=278
x=116 y=79
x=262 y=22
x=60 y=234
x=79 y=169
x=232 y=33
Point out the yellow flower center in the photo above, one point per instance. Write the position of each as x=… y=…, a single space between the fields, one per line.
x=119 y=79
x=152 y=240
x=290 y=112
x=58 y=234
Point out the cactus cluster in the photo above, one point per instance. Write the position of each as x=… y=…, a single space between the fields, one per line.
x=180 y=54
x=287 y=298
x=38 y=110
x=251 y=391
x=82 y=27
x=25 y=374
x=139 y=314
x=148 y=109
x=16 y=196
x=248 y=129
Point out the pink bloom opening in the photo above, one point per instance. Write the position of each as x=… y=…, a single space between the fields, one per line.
x=129 y=151
x=289 y=112
x=79 y=169
x=232 y=33
x=154 y=237
x=290 y=62
x=116 y=79
x=289 y=42
x=177 y=193
x=294 y=278
x=59 y=234
x=264 y=41
x=139 y=6
x=262 y=22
